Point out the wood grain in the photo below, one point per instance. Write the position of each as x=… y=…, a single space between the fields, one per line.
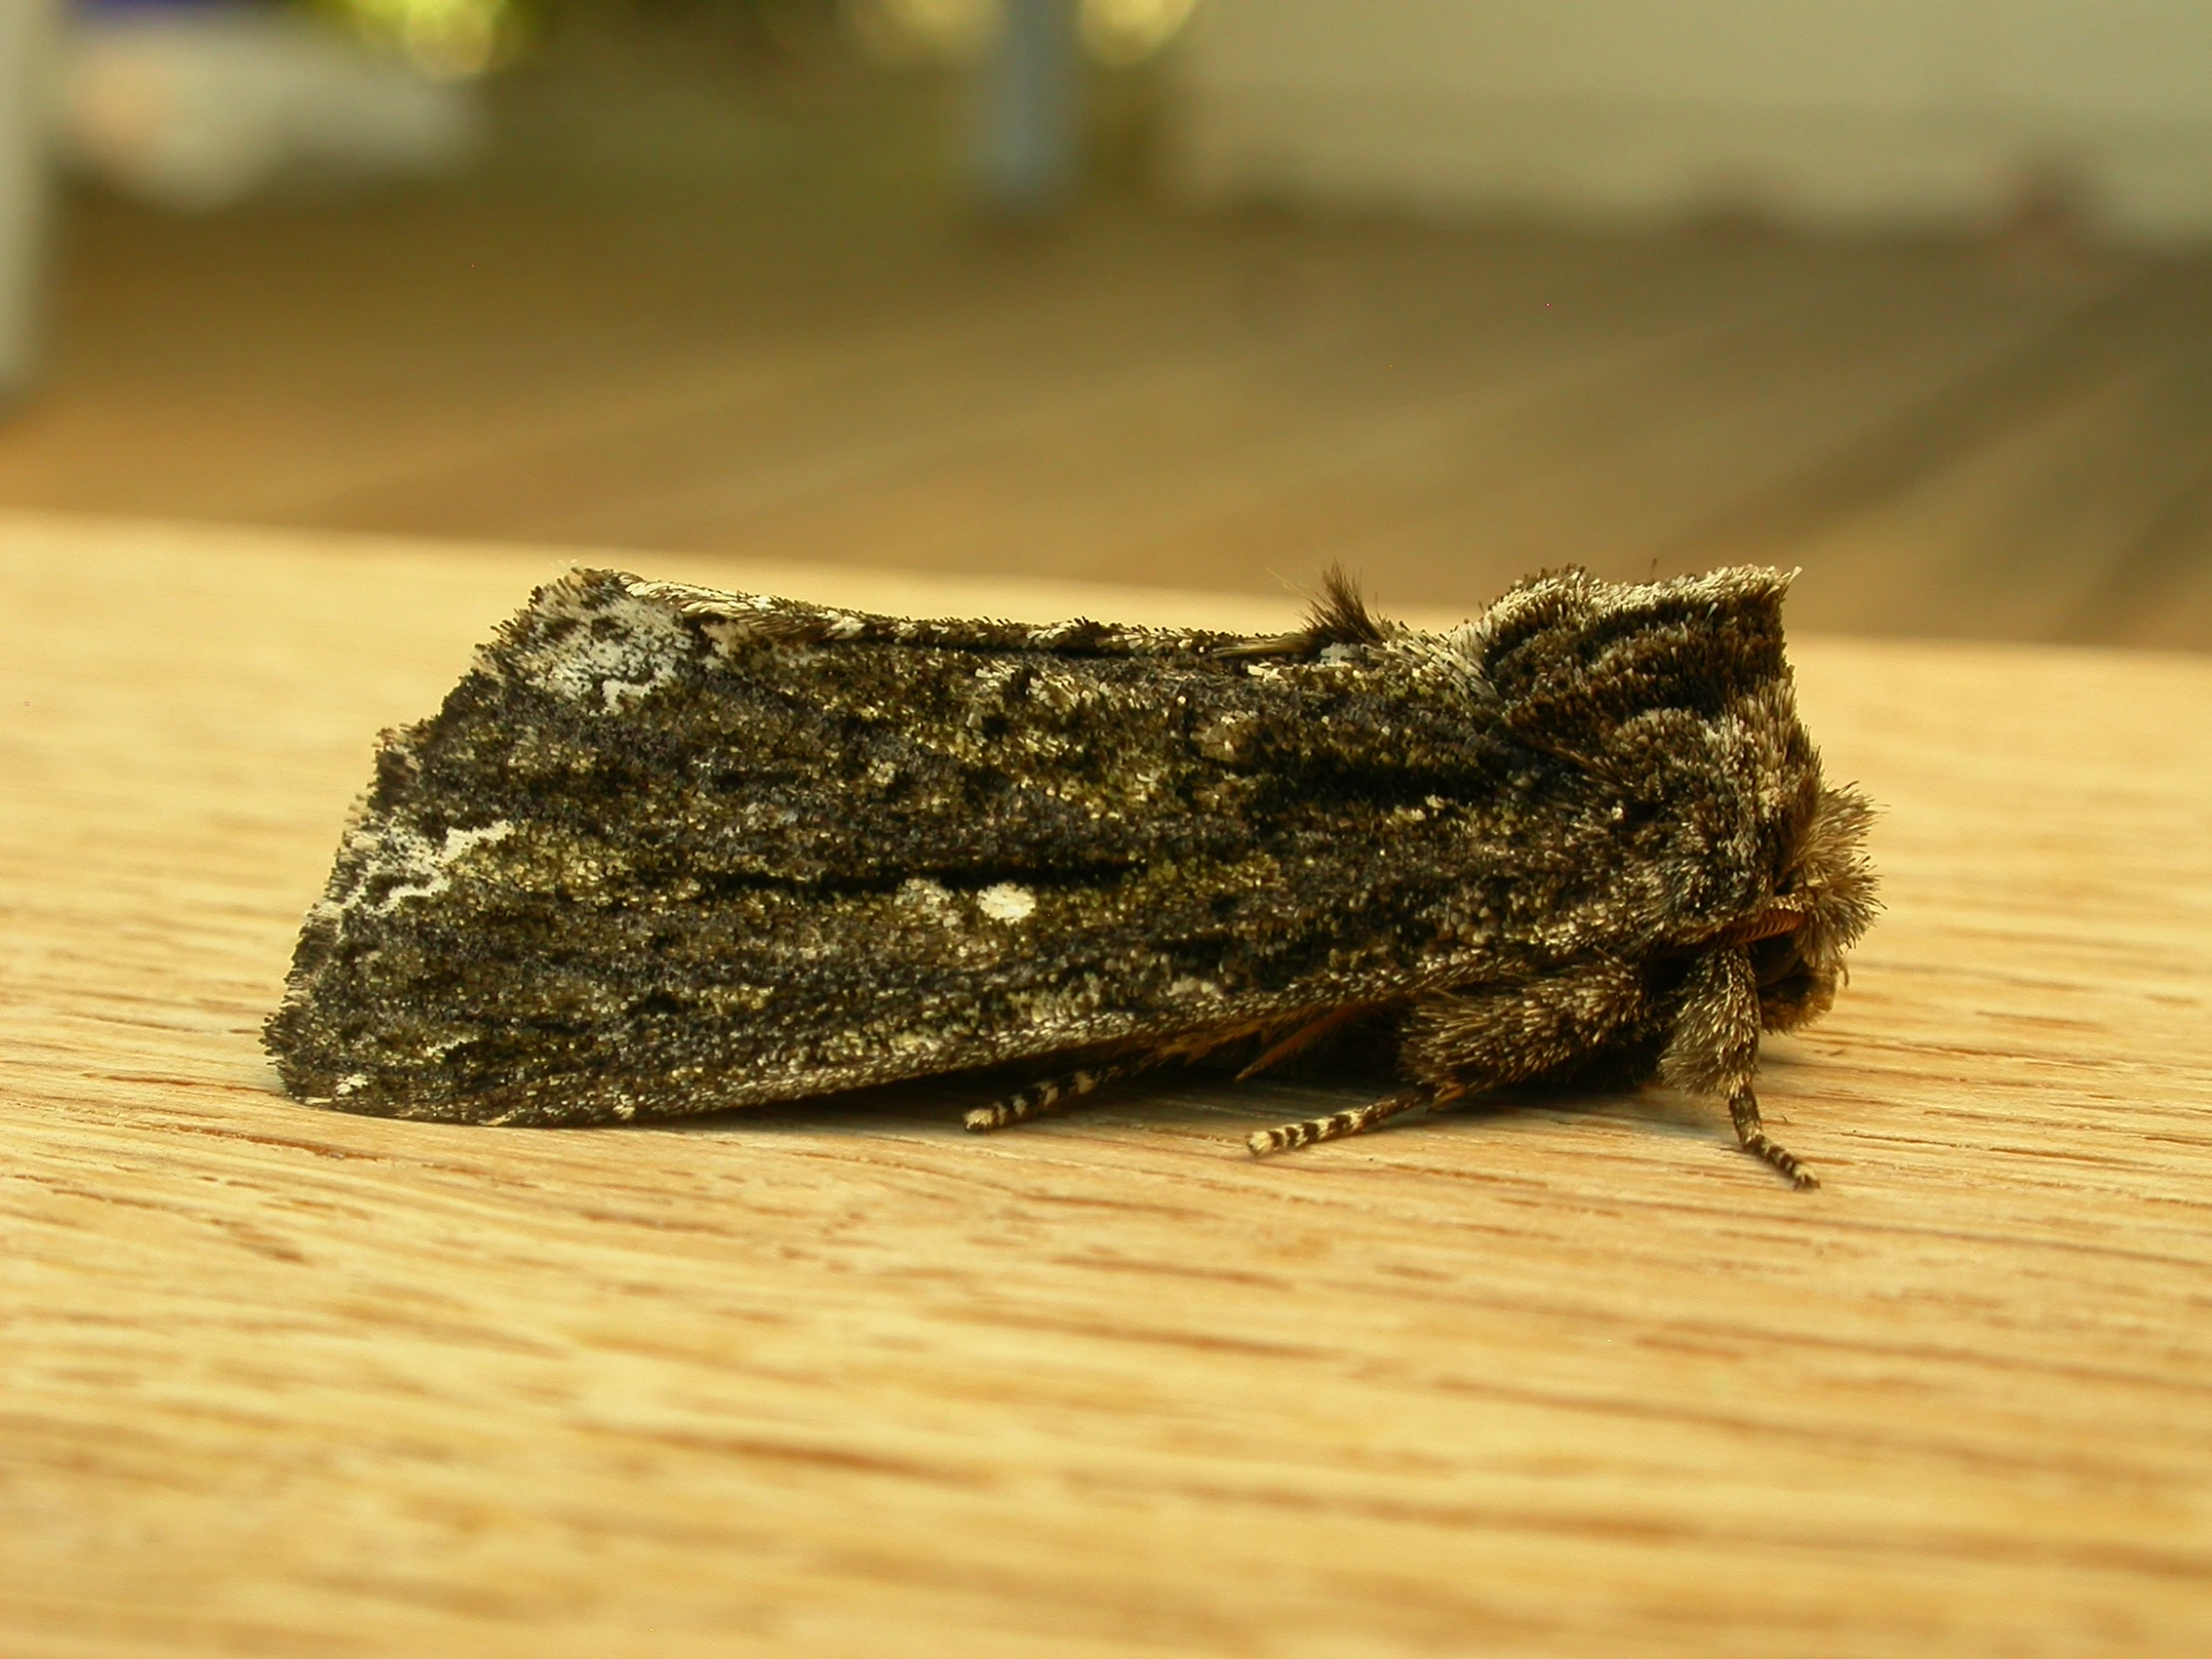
x=1570 y=1379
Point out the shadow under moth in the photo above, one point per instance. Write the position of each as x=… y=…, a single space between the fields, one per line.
x=666 y=850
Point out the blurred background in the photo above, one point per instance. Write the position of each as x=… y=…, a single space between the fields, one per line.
x=1913 y=293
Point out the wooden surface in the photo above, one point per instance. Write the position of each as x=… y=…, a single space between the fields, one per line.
x=1997 y=440
x=844 y=1380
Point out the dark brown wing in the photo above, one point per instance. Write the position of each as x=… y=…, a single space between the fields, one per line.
x=664 y=851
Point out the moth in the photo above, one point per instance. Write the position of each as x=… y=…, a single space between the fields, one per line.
x=667 y=851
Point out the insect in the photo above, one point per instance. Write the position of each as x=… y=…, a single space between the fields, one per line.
x=666 y=850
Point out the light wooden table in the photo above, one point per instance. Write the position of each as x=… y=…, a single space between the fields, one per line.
x=842 y=1379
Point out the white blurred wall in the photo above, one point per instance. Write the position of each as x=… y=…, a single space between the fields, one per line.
x=1825 y=111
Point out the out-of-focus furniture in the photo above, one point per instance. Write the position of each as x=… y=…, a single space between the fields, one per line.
x=197 y=107
x=1027 y=137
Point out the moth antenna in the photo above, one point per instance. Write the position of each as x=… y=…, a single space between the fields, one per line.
x=1271 y=645
x=1337 y=1125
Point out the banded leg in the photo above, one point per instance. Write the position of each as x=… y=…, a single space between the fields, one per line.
x=1043 y=1097
x=1750 y=1135
x=1714 y=1050
x=1336 y=1124
x=1459 y=1045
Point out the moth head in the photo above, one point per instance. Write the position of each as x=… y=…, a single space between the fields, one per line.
x=1823 y=901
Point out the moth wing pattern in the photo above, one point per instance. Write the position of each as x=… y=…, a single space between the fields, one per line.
x=665 y=850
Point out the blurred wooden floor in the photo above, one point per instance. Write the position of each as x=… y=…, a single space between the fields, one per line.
x=2000 y=440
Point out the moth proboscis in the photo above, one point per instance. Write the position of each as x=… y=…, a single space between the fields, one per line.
x=666 y=850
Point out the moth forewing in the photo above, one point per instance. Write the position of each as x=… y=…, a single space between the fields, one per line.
x=667 y=851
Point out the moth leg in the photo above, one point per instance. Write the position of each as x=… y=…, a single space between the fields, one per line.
x=1043 y=1097
x=1493 y=1036
x=1750 y=1135
x=1306 y=1035
x=1455 y=1045
x=1714 y=1050
x=1338 y=1124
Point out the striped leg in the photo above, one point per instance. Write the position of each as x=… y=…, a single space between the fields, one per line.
x=1751 y=1134
x=1039 y=1099
x=1265 y=1141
